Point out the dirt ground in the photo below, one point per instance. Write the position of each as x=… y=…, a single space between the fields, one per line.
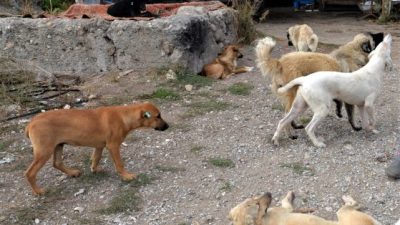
x=181 y=184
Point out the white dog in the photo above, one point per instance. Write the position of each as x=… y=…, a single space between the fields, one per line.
x=357 y=88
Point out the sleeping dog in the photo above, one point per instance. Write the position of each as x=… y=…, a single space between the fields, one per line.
x=359 y=88
x=257 y=211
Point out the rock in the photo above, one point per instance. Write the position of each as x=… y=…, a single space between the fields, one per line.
x=67 y=106
x=186 y=38
x=37 y=221
x=189 y=87
x=81 y=191
x=78 y=209
x=170 y=75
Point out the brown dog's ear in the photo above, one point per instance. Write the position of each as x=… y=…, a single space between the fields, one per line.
x=263 y=203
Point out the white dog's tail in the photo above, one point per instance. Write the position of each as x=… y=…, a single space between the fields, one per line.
x=313 y=42
x=263 y=53
x=296 y=82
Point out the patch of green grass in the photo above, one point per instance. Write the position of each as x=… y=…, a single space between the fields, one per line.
x=203 y=107
x=277 y=107
x=196 y=149
x=304 y=119
x=4 y=144
x=115 y=100
x=227 y=187
x=163 y=94
x=171 y=169
x=221 y=162
x=25 y=215
x=125 y=200
x=89 y=178
x=184 y=77
x=240 y=88
x=298 y=168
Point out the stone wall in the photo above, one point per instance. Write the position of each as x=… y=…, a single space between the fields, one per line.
x=192 y=38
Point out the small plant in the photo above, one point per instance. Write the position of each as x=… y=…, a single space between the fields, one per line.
x=196 y=149
x=246 y=28
x=277 y=107
x=125 y=200
x=162 y=93
x=298 y=168
x=227 y=187
x=56 y=6
x=5 y=144
x=240 y=88
x=304 y=119
x=200 y=108
x=184 y=76
x=221 y=162
x=142 y=180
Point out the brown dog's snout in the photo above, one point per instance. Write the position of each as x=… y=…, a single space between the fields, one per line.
x=162 y=126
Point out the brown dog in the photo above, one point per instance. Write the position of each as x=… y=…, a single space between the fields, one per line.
x=97 y=128
x=256 y=211
x=225 y=64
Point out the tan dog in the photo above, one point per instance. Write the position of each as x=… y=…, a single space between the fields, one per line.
x=256 y=211
x=302 y=37
x=296 y=64
x=97 y=128
x=225 y=64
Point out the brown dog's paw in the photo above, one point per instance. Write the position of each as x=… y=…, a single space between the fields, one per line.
x=128 y=176
x=39 y=191
x=74 y=173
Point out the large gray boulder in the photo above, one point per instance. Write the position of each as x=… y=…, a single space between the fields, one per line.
x=191 y=38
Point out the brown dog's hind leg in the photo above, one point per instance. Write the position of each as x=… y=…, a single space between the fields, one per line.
x=58 y=163
x=119 y=166
x=40 y=157
x=96 y=156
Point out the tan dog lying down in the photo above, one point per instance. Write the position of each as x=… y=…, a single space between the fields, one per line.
x=257 y=211
x=225 y=64
x=97 y=128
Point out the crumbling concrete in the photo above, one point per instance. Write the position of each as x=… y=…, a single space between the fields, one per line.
x=192 y=38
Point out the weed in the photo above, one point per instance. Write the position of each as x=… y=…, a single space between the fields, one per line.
x=200 y=108
x=56 y=6
x=277 y=107
x=196 y=149
x=25 y=215
x=171 y=169
x=246 y=28
x=298 y=168
x=305 y=119
x=240 y=88
x=128 y=199
x=184 y=76
x=221 y=162
x=90 y=178
x=162 y=93
x=227 y=187
x=125 y=200
x=5 y=144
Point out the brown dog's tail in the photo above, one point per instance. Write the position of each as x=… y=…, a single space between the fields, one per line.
x=265 y=63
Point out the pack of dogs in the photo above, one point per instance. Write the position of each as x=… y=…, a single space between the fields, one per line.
x=351 y=75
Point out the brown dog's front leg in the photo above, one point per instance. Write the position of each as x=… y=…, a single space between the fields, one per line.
x=119 y=166
x=96 y=156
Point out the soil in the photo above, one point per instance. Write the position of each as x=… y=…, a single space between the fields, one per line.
x=179 y=183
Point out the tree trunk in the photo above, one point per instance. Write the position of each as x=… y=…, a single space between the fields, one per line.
x=386 y=8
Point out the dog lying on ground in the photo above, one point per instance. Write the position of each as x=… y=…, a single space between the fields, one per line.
x=297 y=64
x=225 y=64
x=257 y=211
x=97 y=128
x=359 y=88
x=302 y=37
